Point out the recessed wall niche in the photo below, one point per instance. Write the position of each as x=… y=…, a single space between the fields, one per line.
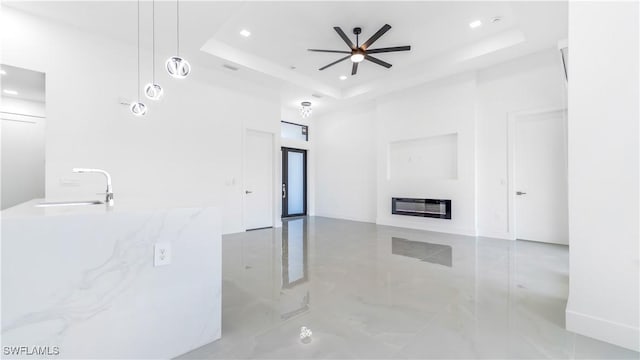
x=433 y=157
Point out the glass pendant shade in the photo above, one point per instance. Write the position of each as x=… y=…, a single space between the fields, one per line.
x=153 y=91
x=178 y=67
x=138 y=109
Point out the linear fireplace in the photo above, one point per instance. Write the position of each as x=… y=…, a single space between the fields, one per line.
x=435 y=208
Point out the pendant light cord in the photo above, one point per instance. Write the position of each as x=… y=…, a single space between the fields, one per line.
x=178 y=27
x=153 y=41
x=138 y=60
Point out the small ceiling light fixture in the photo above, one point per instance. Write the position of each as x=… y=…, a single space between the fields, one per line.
x=305 y=109
x=343 y=77
x=10 y=92
x=176 y=66
x=138 y=108
x=245 y=33
x=475 y=24
x=2 y=72
x=305 y=335
x=152 y=90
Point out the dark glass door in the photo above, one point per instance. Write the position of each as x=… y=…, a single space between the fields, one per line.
x=294 y=182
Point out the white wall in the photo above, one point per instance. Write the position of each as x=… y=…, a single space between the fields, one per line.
x=443 y=107
x=188 y=149
x=346 y=165
x=23 y=150
x=528 y=83
x=476 y=106
x=603 y=171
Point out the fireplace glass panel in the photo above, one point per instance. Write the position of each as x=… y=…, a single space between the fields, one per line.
x=422 y=207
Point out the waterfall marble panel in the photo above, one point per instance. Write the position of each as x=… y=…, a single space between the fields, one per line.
x=82 y=282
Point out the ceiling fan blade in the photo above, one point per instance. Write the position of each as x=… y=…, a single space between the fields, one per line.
x=335 y=62
x=375 y=36
x=330 y=51
x=378 y=61
x=344 y=36
x=389 y=49
x=354 y=69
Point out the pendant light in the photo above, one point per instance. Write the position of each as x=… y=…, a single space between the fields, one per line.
x=152 y=90
x=138 y=108
x=176 y=66
x=305 y=109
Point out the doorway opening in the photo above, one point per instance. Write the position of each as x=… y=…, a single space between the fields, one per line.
x=23 y=131
x=294 y=182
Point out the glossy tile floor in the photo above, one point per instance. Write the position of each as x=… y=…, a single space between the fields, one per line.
x=369 y=291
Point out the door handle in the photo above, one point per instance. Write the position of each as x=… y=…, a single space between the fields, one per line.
x=520 y=193
x=248 y=191
x=284 y=191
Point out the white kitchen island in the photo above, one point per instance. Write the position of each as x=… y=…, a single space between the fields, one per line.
x=81 y=280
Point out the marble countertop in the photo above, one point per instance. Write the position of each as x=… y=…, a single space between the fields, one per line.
x=29 y=208
x=86 y=279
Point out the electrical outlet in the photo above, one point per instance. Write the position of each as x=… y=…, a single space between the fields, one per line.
x=162 y=254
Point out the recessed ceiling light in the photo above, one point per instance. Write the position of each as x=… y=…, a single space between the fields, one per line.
x=343 y=77
x=245 y=33
x=10 y=92
x=475 y=24
x=3 y=72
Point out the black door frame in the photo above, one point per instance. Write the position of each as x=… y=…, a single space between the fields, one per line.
x=285 y=181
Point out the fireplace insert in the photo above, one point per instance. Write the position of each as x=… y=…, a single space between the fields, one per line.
x=435 y=208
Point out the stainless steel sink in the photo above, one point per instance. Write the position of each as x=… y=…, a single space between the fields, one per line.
x=69 y=203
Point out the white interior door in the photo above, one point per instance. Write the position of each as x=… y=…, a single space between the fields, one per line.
x=258 y=180
x=541 y=178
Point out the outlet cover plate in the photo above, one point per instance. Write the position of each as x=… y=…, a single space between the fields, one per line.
x=162 y=254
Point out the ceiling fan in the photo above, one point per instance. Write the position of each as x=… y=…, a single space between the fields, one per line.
x=361 y=52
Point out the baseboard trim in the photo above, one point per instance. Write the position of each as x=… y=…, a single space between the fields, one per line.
x=496 y=234
x=350 y=218
x=601 y=329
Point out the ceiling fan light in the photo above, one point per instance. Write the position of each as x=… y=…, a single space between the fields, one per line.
x=358 y=57
x=178 y=67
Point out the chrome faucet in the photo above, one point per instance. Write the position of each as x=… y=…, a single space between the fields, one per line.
x=109 y=198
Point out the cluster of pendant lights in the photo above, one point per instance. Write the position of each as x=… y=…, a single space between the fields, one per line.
x=176 y=66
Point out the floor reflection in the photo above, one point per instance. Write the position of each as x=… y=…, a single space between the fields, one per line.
x=294 y=299
x=364 y=294
x=433 y=253
x=294 y=253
